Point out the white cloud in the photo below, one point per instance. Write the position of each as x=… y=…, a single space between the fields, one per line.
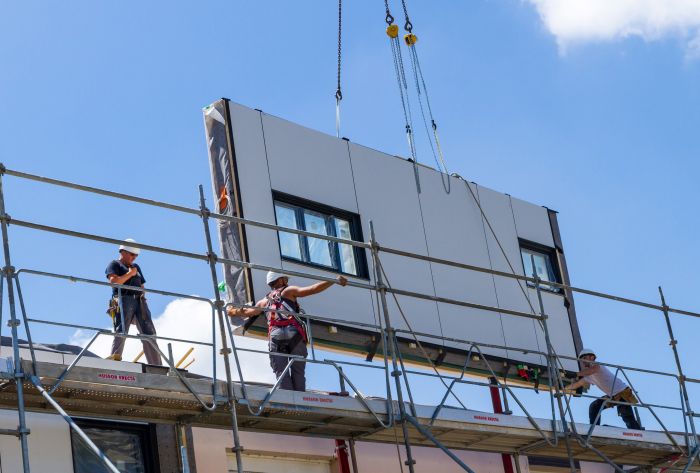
x=189 y=319
x=578 y=21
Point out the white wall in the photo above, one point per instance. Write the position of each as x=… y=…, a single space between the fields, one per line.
x=211 y=455
x=272 y=153
x=590 y=467
x=49 y=444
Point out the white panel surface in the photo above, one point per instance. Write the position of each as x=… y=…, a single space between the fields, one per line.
x=519 y=332
x=348 y=303
x=396 y=214
x=274 y=154
x=559 y=327
x=309 y=164
x=455 y=232
x=532 y=222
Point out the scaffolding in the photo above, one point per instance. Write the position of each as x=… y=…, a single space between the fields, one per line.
x=174 y=396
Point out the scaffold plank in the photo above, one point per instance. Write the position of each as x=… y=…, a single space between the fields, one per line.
x=159 y=398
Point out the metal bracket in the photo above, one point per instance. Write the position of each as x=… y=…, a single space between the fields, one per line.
x=14 y=323
x=373 y=346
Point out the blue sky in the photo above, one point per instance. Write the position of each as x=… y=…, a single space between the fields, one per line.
x=597 y=119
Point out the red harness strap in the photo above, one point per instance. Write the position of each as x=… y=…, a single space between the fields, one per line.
x=276 y=302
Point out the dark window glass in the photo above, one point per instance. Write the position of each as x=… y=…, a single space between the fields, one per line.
x=544 y=263
x=289 y=243
x=123 y=446
x=300 y=214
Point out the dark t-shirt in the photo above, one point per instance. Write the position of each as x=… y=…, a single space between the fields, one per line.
x=120 y=269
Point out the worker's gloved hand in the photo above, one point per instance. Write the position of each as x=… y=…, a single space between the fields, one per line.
x=342 y=280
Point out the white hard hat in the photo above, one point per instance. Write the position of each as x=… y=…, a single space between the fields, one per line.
x=130 y=249
x=586 y=351
x=273 y=276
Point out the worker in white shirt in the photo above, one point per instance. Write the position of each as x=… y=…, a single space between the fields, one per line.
x=613 y=387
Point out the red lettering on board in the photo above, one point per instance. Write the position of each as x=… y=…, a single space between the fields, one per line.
x=317 y=399
x=632 y=434
x=118 y=377
x=490 y=419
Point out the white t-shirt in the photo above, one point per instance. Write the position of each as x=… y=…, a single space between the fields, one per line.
x=605 y=379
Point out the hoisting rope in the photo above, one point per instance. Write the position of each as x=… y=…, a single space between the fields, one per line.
x=422 y=92
x=338 y=92
x=392 y=32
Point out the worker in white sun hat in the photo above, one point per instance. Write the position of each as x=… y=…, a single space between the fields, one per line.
x=614 y=388
x=133 y=308
x=286 y=332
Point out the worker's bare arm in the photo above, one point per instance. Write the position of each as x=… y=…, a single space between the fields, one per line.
x=295 y=291
x=114 y=279
x=246 y=312
x=574 y=386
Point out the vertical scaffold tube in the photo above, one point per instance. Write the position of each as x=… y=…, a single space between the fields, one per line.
x=552 y=370
x=14 y=323
x=688 y=411
x=181 y=438
x=222 y=328
x=381 y=290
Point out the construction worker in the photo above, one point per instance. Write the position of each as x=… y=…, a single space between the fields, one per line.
x=132 y=308
x=613 y=387
x=287 y=333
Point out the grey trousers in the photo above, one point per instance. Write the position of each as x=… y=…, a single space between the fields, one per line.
x=295 y=378
x=135 y=311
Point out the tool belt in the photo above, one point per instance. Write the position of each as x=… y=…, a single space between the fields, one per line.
x=113 y=307
x=626 y=395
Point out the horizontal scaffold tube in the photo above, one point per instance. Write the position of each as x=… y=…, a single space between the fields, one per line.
x=321 y=318
x=243 y=221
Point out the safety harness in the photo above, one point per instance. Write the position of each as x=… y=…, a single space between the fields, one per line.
x=276 y=302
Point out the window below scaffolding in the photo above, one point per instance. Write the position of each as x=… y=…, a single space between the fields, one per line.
x=301 y=214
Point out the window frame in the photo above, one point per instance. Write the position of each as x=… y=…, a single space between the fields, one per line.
x=548 y=251
x=300 y=204
x=145 y=432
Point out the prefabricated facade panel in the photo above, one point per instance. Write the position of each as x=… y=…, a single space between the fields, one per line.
x=277 y=157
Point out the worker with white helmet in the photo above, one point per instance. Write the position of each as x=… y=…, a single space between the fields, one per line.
x=286 y=331
x=614 y=388
x=132 y=309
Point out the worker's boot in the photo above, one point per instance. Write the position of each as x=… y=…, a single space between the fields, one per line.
x=115 y=357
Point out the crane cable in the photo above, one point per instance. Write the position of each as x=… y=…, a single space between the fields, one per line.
x=392 y=31
x=426 y=111
x=338 y=92
x=422 y=92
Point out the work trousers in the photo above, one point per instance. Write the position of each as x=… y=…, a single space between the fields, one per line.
x=623 y=411
x=295 y=377
x=134 y=310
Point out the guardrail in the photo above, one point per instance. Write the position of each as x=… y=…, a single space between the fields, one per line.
x=381 y=287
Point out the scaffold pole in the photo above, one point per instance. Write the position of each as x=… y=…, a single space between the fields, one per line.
x=18 y=374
